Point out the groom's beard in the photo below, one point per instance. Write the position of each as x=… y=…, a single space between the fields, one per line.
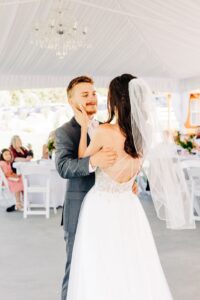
x=91 y=108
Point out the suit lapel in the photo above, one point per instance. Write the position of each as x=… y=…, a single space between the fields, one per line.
x=74 y=123
x=78 y=129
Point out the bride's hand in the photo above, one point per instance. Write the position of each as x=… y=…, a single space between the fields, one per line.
x=82 y=117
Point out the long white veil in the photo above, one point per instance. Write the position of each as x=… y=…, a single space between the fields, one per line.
x=168 y=186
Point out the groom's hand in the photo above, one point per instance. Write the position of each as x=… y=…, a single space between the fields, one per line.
x=103 y=159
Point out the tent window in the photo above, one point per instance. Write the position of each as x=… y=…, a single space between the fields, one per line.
x=195 y=111
x=166 y=113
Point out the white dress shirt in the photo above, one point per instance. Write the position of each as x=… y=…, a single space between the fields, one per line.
x=91 y=128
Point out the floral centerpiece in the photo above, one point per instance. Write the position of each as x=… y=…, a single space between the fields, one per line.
x=187 y=143
x=51 y=146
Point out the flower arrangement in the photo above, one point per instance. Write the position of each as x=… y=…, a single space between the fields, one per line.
x=186 y=143
x=51 y=145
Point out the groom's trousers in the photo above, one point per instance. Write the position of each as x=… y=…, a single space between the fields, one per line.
x=69 y=239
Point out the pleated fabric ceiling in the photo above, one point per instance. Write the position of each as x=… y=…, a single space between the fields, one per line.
x=158 y=40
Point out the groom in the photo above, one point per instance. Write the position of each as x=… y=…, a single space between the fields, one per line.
x=79 y=172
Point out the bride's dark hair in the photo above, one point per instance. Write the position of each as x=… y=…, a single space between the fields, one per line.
x=119 y=106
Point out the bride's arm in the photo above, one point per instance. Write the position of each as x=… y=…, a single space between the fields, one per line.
x=83 y=142
x=96 y=142
x=95 y=145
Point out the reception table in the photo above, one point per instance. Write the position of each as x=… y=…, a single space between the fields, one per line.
x=57 y=184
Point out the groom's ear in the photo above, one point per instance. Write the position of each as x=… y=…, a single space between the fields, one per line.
x=69 y=100
x=69 y=96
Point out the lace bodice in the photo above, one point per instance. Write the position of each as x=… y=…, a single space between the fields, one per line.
x=104 y=183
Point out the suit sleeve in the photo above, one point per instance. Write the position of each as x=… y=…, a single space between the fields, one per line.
x=66 y=165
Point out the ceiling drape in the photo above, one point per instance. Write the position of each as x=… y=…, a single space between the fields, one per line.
x=157 y=40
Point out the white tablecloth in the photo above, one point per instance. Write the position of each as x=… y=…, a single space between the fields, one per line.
x=57 y=184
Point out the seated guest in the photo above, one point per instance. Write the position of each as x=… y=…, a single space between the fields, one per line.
x=30 y=150
x=197 y=135
x=45 y=152
x=14 y=181
x=19 y=152
x=197 y=139
x=168 y=136
x=49 y=146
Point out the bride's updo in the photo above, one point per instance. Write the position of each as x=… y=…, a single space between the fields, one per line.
x=119 y=106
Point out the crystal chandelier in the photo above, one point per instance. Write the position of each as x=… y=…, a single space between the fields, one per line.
x=60 y=32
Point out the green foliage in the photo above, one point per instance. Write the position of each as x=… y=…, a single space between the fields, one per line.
x=36 y=97
x=51 y=145
x=187 y=143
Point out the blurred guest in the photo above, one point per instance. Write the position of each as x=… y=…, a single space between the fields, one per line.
x=14 y=181
x=45 y=152
x=168 y=136
x=19 y=152
x=197 y=139
x=197 y=135
x=30 y=150
x=49 y=146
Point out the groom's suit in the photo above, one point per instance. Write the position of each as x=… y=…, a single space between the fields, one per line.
x=80 y=181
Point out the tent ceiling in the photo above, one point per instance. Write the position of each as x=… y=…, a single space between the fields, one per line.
x=156 y=39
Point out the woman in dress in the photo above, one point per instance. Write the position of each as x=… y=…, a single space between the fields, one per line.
x=14 y=181
x=114 y=255
x=19 y=152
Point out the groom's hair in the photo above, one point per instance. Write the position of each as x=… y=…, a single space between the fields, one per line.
x=77 y=80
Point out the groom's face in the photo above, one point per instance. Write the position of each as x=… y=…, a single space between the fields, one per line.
x=84 y=94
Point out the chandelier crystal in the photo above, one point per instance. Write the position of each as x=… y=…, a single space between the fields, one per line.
x=60 y=32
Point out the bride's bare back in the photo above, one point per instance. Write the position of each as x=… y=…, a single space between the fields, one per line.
x=126 y=167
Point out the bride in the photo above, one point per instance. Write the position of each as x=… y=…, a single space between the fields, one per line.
x=114 y=255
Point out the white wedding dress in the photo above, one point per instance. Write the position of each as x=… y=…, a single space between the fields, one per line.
x=114 y=255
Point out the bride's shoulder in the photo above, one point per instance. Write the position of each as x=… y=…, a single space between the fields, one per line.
x=103 y=131
x=105 y=126
x=106 y=131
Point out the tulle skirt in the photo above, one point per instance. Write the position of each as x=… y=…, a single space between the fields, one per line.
x=114 y=255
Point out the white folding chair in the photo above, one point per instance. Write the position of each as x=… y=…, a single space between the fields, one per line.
x=53 y=180
x=192 y=168
x=36 y=180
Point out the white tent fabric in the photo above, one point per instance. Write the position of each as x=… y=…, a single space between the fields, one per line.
x=157 y=40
